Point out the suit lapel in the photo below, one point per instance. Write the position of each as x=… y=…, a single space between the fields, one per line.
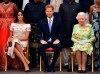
x=53 y=25
x=47 y=26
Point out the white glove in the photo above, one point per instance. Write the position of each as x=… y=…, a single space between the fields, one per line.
x=81 y=42
x=85 y=41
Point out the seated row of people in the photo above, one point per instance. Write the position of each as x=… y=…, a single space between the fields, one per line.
x=45 y=40
x=50 y=34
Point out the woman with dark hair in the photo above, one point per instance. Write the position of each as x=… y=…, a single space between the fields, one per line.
x=19 y=32
x=16 y=16
x=7 y=11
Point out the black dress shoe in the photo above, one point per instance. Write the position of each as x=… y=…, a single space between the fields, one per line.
x=46 y=70
x=27 y=70
x=79 y=71
x=83 y=71
x=52 y=70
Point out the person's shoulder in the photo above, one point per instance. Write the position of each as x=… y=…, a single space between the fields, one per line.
x=43 y=3
x=57 y=17
x=89 y=25
x=92 y=6
x=13 y=24
x=76 y=25
x=1 y=4
x=29 y=4
x=44 y=19
x=77 y=4
x=27 y=24
x=64 y=3
x=12 y=3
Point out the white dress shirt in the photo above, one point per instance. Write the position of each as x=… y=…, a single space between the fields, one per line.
x=24 y=3
x=56 y=4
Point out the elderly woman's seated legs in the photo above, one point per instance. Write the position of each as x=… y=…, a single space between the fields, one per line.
x=81 y=57
x=84 y=60
x=78 y=57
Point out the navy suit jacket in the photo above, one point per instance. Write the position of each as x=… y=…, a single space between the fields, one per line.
x=56 y=30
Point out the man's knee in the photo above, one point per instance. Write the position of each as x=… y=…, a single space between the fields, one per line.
x=57 y=46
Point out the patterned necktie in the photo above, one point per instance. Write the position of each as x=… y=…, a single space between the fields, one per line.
x=50 y=24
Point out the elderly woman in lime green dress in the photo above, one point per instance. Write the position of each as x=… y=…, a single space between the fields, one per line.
x=83 y=37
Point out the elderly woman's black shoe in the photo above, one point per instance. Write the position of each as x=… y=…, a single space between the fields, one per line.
x=83 y=71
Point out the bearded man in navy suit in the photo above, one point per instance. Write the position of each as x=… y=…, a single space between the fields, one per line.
x=50 y=34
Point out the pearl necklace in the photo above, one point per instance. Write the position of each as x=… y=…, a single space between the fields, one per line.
x=6 y=4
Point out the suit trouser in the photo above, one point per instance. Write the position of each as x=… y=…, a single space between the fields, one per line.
x=43 y=47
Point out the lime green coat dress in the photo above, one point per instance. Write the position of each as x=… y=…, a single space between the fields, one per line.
x=83 y=33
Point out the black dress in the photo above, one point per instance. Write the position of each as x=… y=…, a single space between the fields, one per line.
x=33 y=13
x=68 y=14
x=96 y=27
x=85 y=4
x=1 y=0
x=19 y=3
